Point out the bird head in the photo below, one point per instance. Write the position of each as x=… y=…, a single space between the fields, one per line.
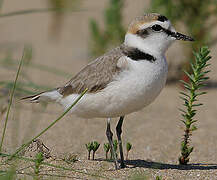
x=153 y=33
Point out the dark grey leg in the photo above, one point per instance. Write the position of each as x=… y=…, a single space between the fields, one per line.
x=119 y=131
x=109 y=135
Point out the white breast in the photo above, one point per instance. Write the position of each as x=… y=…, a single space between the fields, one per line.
x=132 y=90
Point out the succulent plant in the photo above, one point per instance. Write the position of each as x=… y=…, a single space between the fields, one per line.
x=38 y=160
x=106 y=149
x=128 y=148
x=95 y=148
x=89 y=147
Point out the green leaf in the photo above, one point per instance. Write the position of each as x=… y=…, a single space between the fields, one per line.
x=193 y=67
x=201 y=93
x=184 y=94
x=207 y=65
x=194 y=105
x=191 y=77
x=183 y=121
x=194 y=121
x=190 y=150
x=187 y=87
x=183 y=98
x=89 y=146
x=185 y=83
x=128 y=146
x=193 y=128
x=95 y=146
x=39 y=157
x=182 y=110
x=106 y=147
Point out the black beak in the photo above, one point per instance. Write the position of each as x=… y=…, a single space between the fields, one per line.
x=183 y=37
x=178 y=36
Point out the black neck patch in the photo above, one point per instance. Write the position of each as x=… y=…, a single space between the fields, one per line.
x=136 y=55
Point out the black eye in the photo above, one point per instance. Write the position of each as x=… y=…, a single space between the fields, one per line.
x=156 y=27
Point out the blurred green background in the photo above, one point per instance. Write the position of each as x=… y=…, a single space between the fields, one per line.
x=63 y=35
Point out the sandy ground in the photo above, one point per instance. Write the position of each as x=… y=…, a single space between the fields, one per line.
x=155 y=132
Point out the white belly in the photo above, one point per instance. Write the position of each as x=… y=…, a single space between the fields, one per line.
x=134 y=89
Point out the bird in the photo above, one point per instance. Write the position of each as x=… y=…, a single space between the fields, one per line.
x=123 y=80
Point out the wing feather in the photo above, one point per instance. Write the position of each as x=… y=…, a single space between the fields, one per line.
x=96 y=75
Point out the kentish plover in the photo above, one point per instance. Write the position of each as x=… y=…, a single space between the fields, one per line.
x=124 y=80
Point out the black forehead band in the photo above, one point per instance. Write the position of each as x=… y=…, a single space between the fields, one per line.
x=162 y=18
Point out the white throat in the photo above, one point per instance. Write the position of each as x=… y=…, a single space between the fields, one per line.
x=155 y=46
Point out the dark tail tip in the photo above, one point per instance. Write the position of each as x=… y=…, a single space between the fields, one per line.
x=33 y=99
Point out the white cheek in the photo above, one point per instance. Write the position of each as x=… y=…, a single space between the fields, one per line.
x=159 y=40
x=155 y=44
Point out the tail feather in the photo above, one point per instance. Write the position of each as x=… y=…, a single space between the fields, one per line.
x=34 y=98
x=47 y=96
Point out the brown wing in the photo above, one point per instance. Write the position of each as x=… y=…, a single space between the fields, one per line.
x=96 y=75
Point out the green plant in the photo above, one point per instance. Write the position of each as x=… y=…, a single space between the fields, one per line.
x=106 y=149
x=92 y=146
x=38 y=160
x=190 y=98
x=3 y=155
x=52 y=124
x=158 y=178
x=11 y=99
x=114 y=31
x=95 y=148
x=128 y=148
x=89 y=147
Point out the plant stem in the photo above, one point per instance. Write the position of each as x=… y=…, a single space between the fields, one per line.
x=11 y=99
x=127 y=155
x=190 y=97
x=42 y=132
x=30 y=11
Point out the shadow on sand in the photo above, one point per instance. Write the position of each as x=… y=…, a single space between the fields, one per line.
x=158 y=165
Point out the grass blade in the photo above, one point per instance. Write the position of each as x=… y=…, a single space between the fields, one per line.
x=36 y=10
x=52 y=124
x=11 y=98
x=52 y=165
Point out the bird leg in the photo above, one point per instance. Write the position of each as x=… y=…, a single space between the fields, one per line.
x=109 y=135
x=118 y=132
